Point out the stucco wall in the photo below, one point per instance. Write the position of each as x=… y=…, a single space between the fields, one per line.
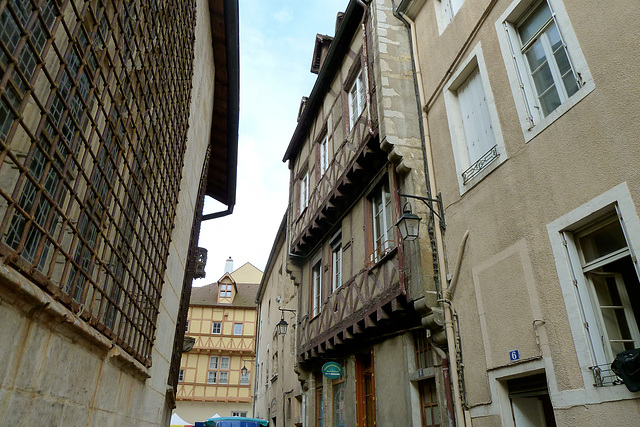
x=509 y=275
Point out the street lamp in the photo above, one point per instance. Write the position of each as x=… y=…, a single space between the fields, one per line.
x=408 y=224
x=282 y=325
x=244 y=369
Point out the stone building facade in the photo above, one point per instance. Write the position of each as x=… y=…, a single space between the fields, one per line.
x=105 y=154
x=514 y=120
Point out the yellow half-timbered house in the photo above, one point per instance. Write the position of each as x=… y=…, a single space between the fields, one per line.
x=222 y=321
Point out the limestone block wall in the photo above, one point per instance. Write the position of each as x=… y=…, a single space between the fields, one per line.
x=58 y=370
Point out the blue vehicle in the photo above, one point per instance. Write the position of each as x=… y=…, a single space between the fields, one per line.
x=235 y=422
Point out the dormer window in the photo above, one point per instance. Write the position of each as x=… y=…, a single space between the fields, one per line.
x=225 y=291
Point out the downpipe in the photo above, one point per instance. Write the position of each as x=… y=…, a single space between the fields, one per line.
x=463 y=417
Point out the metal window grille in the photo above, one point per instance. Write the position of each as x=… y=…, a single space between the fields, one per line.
x=94 y=102
x=484 y=161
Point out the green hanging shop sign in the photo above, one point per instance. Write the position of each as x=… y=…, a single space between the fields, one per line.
x=332 y=370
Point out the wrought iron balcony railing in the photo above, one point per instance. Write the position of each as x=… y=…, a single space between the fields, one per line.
x=482 y=163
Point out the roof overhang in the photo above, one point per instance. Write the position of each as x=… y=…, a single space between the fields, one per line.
x=223 y=164
x=331 y=65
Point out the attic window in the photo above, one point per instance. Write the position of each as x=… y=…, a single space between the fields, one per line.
x=225 y=291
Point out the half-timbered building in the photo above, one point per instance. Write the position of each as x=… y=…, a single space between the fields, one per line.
x=363 y=293
x=222 y=324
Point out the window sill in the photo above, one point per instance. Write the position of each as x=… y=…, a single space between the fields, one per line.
x=542 y=124
x=422 y=374
x=390 y=253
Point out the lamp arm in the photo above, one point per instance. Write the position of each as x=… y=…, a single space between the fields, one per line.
x=429 y=202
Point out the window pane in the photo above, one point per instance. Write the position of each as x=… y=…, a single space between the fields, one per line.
x=339 y=419
x=536 y=56
x=612 y=309
x=570 y=83
x=213 y=362
x=534 y=22
x=603 y=241
x=542 y=77
x=224 y=378
x=562 y=60
x=224 y=363
x=549 y=101
x=216 y=328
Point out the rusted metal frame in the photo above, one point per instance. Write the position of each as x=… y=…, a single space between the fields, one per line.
x=188 y=276
x=74 y=79
x=25 y=41
x=153 y=259
x=92 y=78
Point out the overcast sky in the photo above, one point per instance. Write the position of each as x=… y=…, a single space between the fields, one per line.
x=276 y=46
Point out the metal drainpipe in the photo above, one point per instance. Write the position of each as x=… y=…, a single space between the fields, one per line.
x=431 y=188
x=365 y=58
x=447 y=381
x=255 y=361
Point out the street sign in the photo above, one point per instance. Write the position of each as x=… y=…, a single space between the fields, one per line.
x=514 y=355
x=332 y=370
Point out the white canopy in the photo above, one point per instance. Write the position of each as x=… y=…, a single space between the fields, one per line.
x=177 y=421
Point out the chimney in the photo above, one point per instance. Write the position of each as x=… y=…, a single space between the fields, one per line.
x=228 y=266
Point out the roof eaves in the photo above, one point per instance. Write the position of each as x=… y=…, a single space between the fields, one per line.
x=330 y=66
x=222 y=172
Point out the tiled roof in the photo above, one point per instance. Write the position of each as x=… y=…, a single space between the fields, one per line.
x=208 y=295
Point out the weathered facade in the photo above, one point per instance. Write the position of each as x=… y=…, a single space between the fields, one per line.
x=97 y=122
x=529 y=117
x=278 y=393
x=362 y=294
x=222 y=321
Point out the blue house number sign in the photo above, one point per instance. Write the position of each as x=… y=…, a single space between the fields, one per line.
x=514 y=355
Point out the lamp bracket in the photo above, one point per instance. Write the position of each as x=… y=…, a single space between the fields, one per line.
x=286 y=309
x=429 y=202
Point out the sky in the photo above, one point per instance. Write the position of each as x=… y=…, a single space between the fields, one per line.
x=277 y=38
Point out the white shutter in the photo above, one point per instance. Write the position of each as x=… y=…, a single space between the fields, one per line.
x=455 y=6
x=476 y=119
